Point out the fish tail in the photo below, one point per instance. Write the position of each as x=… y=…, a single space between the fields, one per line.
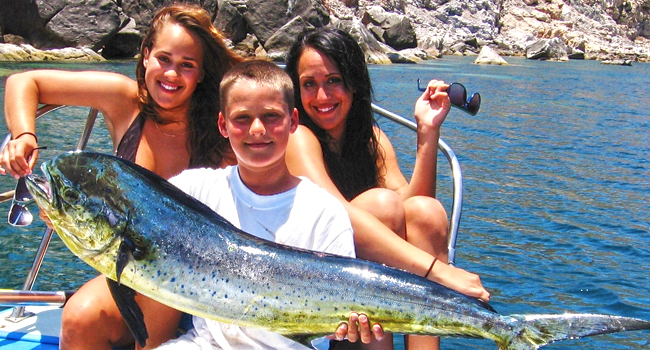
x=535 y=331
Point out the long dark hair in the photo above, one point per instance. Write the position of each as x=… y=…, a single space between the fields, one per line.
x=206 y=145
x=357 y=167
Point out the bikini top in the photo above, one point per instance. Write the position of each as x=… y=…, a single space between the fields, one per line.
x=129 y=144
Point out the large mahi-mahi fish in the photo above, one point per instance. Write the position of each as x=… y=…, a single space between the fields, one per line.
x=134 y=227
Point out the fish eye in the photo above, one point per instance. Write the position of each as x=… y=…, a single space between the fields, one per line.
x=71 y=196
x=138 y=254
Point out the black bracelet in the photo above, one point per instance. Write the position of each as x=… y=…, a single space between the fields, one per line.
x=431 y=267
x=27 y=133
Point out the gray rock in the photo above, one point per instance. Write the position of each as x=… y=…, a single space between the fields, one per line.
x=370 y=46
x=60 y=23
x=396 y=30
x=126 y=43
x=250 y=47
x=576 y=54
x=13 y=39
x=548 y=49
x=489 y=56
x=618 y=62
x=84 y=23
x=142 y=11
x=230 y=21
x=281 y=41
x=11 y=52
x=265 y=17
x=399 y=56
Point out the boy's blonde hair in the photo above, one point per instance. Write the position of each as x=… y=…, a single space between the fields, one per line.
x=263 y=73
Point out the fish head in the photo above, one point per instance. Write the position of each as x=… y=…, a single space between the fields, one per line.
x=80 y=194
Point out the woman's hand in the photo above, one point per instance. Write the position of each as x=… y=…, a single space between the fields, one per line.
x=360 y=329
x=432 y=107
x=45 y=219
x=459 y=280
x=18 y=156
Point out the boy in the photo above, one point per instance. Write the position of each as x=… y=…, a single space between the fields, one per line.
x=259 y=195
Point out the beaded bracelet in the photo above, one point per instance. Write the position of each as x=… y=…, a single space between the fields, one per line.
x=27 y=133
x=431 y=267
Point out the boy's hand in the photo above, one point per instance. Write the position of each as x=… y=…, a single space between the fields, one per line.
x=360 y=329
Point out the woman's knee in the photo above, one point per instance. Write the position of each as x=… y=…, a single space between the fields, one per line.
x=427 y=215
x=82 y=309
x=91 y=313
x=385 y=205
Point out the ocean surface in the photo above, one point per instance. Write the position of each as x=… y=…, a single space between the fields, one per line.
x=556 y=167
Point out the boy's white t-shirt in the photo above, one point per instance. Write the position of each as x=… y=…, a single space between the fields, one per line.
x=306 y=217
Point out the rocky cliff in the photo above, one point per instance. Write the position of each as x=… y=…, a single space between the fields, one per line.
x=388 y=30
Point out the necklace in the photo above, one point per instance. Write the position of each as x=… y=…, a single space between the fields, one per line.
x=166 y=134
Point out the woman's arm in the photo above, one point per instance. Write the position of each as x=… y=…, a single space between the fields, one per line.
x=304 y=157
x=373 y=240
x=115 y=95
x=431 y=109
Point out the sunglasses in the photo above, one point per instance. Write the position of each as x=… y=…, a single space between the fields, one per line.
x=458 y=98
x=19 y=215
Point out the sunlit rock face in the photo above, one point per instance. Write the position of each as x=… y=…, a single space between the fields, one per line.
x=392 y=30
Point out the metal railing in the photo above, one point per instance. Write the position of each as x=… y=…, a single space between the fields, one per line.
x=456 y=174
x=11 y=297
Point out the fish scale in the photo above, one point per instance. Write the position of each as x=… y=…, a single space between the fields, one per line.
x=192 y=259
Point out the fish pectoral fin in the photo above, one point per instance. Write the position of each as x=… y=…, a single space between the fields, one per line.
x=125 y=299
x=124 y=255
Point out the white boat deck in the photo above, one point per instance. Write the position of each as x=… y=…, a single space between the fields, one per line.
x=36 y=332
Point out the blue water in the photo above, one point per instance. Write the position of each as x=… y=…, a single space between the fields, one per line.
x=556 y=175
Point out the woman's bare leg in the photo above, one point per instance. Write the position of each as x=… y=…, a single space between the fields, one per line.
x=91 y=320
x=427 y=228
x=385 y=205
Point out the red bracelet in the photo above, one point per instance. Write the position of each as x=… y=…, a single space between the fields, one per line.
x=431 y=267
x=27 y=133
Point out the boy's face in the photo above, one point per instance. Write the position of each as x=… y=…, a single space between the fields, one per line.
x=258 y=123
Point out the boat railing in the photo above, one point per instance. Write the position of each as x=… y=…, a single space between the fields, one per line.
x=27 y=297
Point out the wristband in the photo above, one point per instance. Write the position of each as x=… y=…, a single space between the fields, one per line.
x=27 y=133
x=431 y=267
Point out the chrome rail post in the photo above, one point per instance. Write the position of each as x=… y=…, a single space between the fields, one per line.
x=19 y=313
x=33 y=298
x=456 y=174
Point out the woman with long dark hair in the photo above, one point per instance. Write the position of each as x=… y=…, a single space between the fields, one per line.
x=341 y=148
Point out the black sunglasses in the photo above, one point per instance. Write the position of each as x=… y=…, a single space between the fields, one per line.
x=18 y=214
x=458 y=98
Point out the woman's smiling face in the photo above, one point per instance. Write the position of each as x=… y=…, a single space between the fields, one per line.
x=323 y=94
x=174 y=67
